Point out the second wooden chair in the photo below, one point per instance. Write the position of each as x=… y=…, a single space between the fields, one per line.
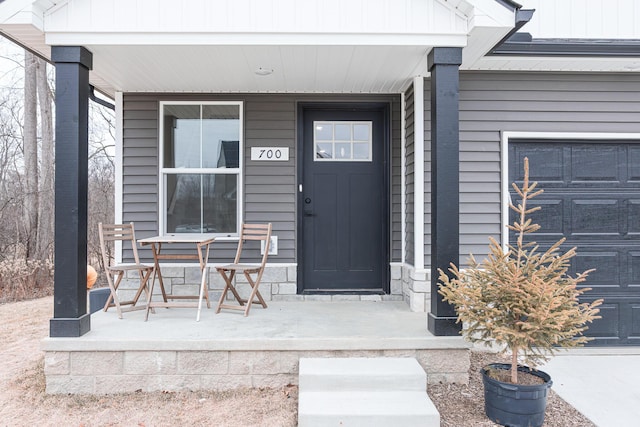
x=252 y=272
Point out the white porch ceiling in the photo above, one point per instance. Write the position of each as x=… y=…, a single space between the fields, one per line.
x=338 y=46
x=351 y=69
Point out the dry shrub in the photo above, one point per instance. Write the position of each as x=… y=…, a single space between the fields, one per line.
x=25 y=279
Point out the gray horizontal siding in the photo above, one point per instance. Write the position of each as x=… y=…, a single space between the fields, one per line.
x=269 y=188
x=491 y=103
x=396 y=180
x=140 y=166
x=427 y=174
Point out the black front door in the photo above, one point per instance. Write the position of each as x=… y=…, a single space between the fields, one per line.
x=343 y=200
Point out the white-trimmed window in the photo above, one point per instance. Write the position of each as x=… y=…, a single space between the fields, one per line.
x=200 y=167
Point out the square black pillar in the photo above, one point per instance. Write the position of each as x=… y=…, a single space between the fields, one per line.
x=70 y=317
x=444 y=64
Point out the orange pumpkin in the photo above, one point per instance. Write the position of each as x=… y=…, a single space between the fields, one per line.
x=92 y=275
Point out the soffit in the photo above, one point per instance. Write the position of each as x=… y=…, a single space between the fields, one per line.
x=355 y=46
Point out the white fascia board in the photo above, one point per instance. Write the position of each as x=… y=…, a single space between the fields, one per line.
x=16 y=11
x=21 y=12
x=481 y=41
x=255 y=39
x=490 y=23
x=489 y=13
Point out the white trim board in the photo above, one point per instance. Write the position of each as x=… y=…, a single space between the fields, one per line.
x=118 y=197
x=418 y=171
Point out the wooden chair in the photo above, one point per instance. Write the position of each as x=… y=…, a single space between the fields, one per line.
x=249 y=232
x=115 y=273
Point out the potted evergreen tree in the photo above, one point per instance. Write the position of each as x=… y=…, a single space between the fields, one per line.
x=523 y=301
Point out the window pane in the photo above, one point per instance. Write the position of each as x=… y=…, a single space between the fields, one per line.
x=181 y=136
x=198 y=203
x=361 y=132
x=183 y=203
x=324 y=151
x=220 y=194
x=343 y=151
x=323 y=131
x=361 y=151
x=343 y=132
x=220 y=136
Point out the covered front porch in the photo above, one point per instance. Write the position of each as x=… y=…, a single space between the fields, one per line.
x=171 y=351
x=267 y=59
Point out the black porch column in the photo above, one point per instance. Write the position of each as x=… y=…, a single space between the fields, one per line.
x=70 y=318
x=444 y=66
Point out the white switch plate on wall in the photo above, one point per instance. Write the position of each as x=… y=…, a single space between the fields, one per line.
x=273 y=246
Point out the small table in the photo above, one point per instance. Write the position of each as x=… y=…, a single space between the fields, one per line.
x=202 y=243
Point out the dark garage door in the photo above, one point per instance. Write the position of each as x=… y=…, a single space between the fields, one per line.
x=592 y=197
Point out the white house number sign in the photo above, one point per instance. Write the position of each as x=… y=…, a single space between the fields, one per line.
x=273 y=154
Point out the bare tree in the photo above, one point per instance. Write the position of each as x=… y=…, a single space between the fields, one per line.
x=45 y=233
x=101 y=175
x=30 y=147
x=27 y=167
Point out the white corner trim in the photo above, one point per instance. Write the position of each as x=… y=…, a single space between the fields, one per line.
x=418 y=154
x=118 y=170
x=403 y=171
x=504 y=156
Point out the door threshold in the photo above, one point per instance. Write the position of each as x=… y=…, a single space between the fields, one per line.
x=355 y=291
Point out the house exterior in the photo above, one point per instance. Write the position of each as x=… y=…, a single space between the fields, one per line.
x=378 y=137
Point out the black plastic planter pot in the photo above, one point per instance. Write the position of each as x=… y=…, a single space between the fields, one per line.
x=515 y=405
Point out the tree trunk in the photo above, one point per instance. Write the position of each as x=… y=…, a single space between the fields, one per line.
x=46 y=195
x=30 y=205
x=514 y=366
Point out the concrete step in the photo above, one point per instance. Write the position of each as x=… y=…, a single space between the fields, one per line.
x=364 y=392
x=361 y=374
x=370 y=409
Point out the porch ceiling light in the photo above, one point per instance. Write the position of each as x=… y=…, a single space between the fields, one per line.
x=261 y=71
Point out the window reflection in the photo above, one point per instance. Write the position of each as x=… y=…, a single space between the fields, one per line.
x=201 y=136
x=343 y=141
x=205 y=137
x=200 y=203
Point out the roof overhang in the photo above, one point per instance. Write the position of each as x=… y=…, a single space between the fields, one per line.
x=312 y=46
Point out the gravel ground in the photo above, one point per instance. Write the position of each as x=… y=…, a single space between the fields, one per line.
x=463 y=405
x=24 y=403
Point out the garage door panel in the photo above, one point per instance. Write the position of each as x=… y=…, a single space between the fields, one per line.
x=595 y=217
x=620 y=322
x=635 y=321
x=608 y=326
x=561 y=164
x=633 y=218
x=607 y=273
x=549 y=155
x=592 y=198
x=550 y=218
x=634 y=269
x=595 y=163
x=633 y=154
x=581 y=217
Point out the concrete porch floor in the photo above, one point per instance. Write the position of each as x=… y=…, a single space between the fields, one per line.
x=171 y=351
